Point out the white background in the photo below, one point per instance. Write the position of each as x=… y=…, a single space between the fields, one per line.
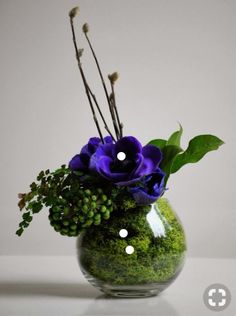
x=176 y=61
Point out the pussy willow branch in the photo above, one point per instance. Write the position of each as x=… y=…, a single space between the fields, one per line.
x=105 y=88
x=100 y=112
x=116 y=111
x=84 y=79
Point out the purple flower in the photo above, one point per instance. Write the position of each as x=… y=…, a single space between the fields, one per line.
x=136 y=162
x=81 y=161
x=150 y=188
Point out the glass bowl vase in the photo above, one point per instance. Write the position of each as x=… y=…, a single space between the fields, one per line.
x=136 y=253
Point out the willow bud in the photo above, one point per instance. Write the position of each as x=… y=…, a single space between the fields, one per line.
x=113 y=77
x=80 y=52
x=73 y=12
x=85 y=28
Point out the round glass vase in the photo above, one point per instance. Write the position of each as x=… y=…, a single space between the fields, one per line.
x=136 y=253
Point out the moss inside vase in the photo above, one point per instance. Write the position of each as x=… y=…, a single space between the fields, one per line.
x=157 y=240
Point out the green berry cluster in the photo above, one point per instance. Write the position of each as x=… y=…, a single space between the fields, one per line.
x=74 y=204
x=90 y=207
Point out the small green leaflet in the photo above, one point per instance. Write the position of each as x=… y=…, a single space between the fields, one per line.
x=160 y=143
x=175 y=138
x=170 y=148
x=169 y=153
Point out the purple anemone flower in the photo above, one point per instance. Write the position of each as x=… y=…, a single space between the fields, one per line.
x=150 y=188
x=126 y=161
x=81 y=161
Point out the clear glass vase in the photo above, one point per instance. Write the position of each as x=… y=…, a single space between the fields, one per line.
x=136 y=253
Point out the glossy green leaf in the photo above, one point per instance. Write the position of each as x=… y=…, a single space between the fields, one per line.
x=198 y=147
x=169 y=153
x=175 y=138
x=160 y=143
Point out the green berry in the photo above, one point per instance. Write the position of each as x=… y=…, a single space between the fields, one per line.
x=81 y=192
x=80 y=203
x=93 y=205
x=106 y=215
x=88 y=223
x=73 y=226
x=73 y=234
x=109 y=202
x=87 y=192
x=103 y=209
x=57 y=226
x=66 y=223
x=75 y=219
x=85 y=208
x=81 y=218
x=97 y=222
x=94 y=198
x=56 y=216
x=97 y=217
x=90 y=214
x=110 y=208
x=104 y=198
x=56 y=209
x=86 y=200
x=66 y=211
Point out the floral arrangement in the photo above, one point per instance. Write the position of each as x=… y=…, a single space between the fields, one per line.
x=110 y=173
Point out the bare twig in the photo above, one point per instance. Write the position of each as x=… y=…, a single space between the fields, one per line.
x=78 y=55
x=113 y=78
x=100 y=112
x=85 y=30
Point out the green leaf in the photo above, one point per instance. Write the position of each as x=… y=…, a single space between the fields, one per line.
x=169 y=153
x=78 y=173
x=160 y=143
x=175 y=138
x=36 y=207
x=197 y=148
x=26 y=216
x=40 y=176
x=19 y=231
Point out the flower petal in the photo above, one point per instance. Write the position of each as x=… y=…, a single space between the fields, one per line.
x=129 y=145
x=128 y=182
x=151 y=189
x=153 y=154
x=108 y=139
x=142 y=197
x=103 y=167
x=79 y=162
x=91 y=147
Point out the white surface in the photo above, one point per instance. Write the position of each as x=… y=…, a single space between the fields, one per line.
x=32 y=286
x=176 y=60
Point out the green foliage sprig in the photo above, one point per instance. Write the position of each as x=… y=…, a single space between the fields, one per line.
x=174 y=157
x=75 y=201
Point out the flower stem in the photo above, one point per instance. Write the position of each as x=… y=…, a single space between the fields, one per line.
x=78 y=54
x=104 y=86
x=116 y=111
x=100 y=112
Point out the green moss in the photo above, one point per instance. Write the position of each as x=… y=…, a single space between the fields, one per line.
x=155 y=258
